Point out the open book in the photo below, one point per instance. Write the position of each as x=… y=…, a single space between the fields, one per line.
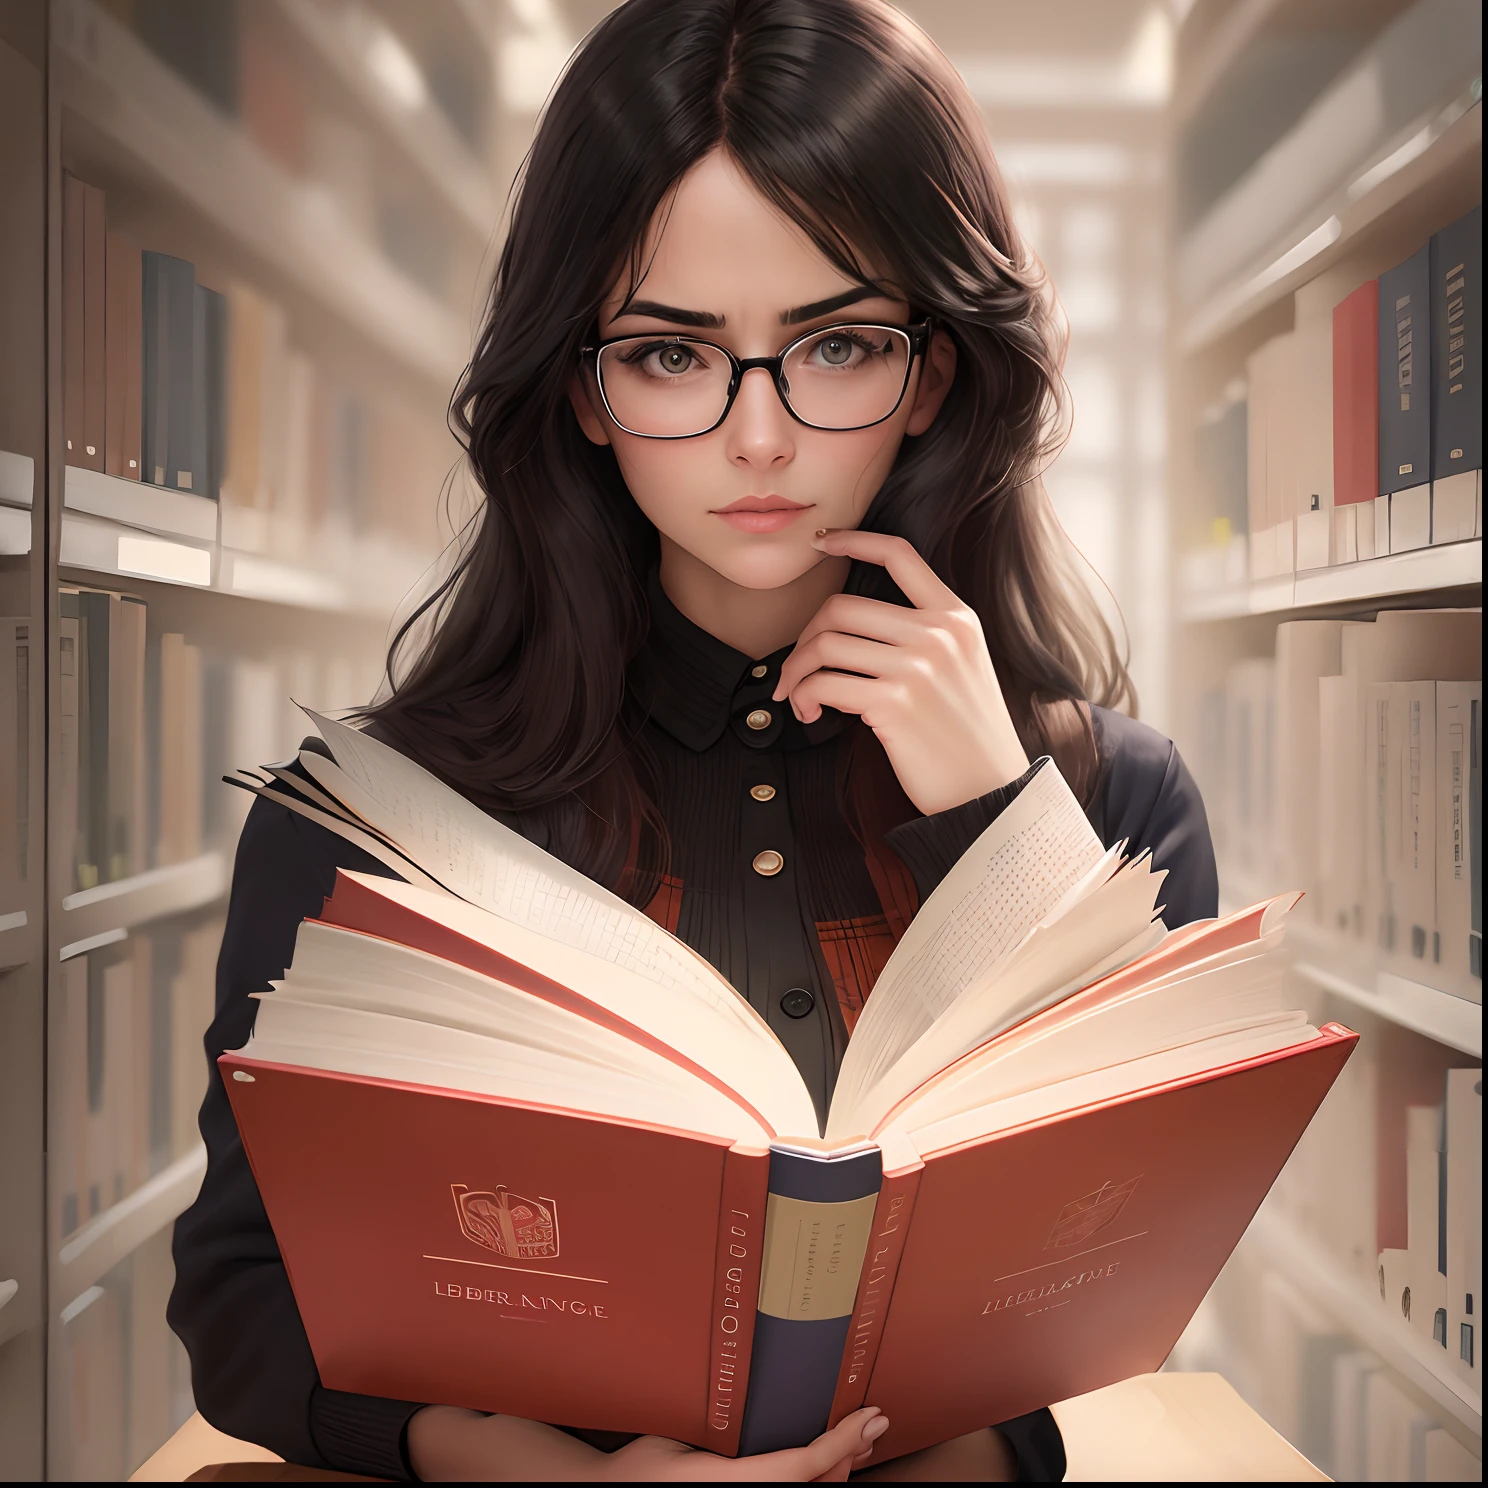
x=525 y=1151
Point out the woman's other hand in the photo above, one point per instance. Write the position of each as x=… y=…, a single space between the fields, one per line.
x=449 y=1445
x=920 y=678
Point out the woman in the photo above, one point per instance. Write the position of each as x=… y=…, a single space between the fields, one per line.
x=764 y=621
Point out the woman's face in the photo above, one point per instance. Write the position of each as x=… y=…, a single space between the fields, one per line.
x=723 y=265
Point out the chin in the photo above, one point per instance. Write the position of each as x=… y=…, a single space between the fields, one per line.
x=764 y=565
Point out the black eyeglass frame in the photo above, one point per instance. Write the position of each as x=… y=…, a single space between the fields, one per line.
x=919 y=338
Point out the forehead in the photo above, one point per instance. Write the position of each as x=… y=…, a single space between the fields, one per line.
x=716 y=244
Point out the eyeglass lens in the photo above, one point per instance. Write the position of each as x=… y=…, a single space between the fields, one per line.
x=846 y=377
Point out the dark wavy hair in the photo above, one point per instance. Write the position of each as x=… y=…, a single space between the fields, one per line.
x=510 y=681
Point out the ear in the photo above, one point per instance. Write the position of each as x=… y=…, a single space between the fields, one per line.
x=937 y=373
x=591 y=421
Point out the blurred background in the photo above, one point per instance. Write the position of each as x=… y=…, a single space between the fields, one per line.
x=243 y=251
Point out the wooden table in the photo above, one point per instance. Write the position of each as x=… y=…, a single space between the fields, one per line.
x=1155 y=1428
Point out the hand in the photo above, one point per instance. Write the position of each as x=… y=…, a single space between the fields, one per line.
x=447 y=1444
x=829 y=1459
x=921 y=679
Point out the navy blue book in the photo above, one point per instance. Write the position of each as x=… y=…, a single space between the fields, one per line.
x=1457 y=342
x=1405 y=374
x=169 y=345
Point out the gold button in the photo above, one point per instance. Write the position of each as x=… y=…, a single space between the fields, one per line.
x=768 y=863
x=758 y=671
x=762 y=792
x=759 y=718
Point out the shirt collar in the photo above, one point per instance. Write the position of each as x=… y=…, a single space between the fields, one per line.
x=695 y=686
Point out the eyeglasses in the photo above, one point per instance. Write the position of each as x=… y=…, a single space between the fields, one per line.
x=839 y=377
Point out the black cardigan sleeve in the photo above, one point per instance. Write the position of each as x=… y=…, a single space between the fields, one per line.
x=252 y=1371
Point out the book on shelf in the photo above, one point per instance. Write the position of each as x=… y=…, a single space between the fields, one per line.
x=1405 y=400
x=565 y=1114
x=1462 y=1218
x=124 y=358
x=178 y=758
x=84 y=277
x=1457 y=379
x=1347 y=764
x=1355 y=422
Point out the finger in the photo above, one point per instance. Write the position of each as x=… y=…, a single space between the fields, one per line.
x=850 y=1436
x=848 y=653
x=915 y=578
x=854 y=614
x=868 y=697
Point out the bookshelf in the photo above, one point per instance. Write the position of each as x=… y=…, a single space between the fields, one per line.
x=1362 y=157
x=334 y=232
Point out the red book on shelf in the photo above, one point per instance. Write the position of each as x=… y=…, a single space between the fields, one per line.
x=1356 y=396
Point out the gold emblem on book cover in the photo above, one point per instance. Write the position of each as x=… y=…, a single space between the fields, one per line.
x=1083 y=1217
x=517 y=1228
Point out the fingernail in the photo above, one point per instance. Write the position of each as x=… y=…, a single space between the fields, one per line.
x=875 y=1428
x=821 y=531
x=777 y=696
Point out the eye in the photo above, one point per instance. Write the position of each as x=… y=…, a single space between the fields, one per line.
x=674 y=359
x=835 y=351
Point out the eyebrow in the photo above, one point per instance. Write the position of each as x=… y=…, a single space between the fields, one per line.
x=706 y=319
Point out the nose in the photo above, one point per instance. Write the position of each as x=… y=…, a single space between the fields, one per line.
x=760 y=433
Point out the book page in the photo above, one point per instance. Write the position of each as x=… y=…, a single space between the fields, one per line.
x=488 y=864
x=1009 y=880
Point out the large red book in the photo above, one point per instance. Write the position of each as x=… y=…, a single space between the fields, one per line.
x=514 y=1139
x=1356 y=396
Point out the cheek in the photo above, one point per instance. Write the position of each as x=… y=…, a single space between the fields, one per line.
x=846 y=470
x=667 y=477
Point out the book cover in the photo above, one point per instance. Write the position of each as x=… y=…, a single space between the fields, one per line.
x=1464 y=1222
x=1457 y=377
x=513 y=1270
x=74 y=316
x=95 y=319
x=1405 y=399
x=1311 y=424
x=1455 y=825
x=169 y=336
x=123 y=354
x=212 y=383
x=1355 y=421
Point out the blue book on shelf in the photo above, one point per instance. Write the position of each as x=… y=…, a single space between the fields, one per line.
x=1457 y=346
x=209 y=359
x=167 y=392
x=1405 y=374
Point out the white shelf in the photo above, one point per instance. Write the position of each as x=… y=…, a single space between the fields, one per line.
x=142 y=898
x=1449 y=1020
x=1449 y=566
x=1359 y=1311
x=341 y=37
x=92 y=1251
x=166 y=133
x=139 y=504
x=1441 y=155
x=132 y=530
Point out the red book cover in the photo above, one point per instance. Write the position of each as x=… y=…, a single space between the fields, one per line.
x=74 y=316
x=459 y=1248
x=1356 y=396
x=95 y=278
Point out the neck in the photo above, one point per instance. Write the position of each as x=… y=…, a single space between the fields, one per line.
x=754 y=621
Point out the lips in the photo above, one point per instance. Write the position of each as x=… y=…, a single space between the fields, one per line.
x=761 y=513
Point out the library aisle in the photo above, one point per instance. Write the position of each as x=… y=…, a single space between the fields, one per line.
x=243 y=253
x=1325 y=405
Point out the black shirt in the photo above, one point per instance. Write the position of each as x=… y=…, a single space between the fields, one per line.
x=786 y=873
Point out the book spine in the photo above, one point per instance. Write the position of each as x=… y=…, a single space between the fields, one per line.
x=95 y=276
x=818 y=1220
x=1356 y=396
x=122 y=358
x=891 y=1221
x=155 y=366
x=741 y=1235
x=1475 y=835
x=95 y=618
x=182 y=376
x=1457 y=365
x=74 y=315
x=213 y=379
x=1404 y=376
x=199 y=389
